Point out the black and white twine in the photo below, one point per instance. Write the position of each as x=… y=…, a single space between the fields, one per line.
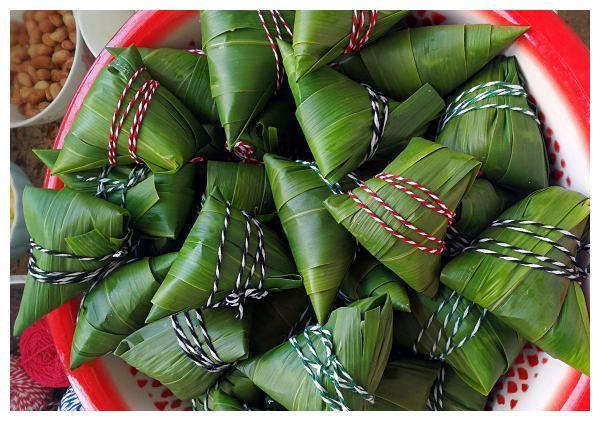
x=380 y=110
x=113 y=261
x=544 y=263
x=455 y=242
x=241 y=291
x=462 y=105
x=439 y=352
x=192 y=345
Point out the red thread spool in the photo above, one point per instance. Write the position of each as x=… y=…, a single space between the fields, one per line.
x=25 y=394
x=39 y=359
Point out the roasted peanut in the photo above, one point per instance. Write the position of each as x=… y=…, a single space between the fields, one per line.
x=55 y=89
x=42 y=74
x=59 y=35
x=46 y=26
x=43 y=105
x=41 y=85
x=59 y=57
x=41 y=62
x=68 y=45
x=46 y=39
x=55 y=19
x=69 y=21
x=39 y=50
x=24 y=79
x=40 y=15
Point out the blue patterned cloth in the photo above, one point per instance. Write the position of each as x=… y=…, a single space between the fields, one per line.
x=70 y=401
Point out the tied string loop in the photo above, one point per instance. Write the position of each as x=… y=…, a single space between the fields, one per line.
x=107 y=185
x=330 y=368
x=438 y=206
x=335 y=188
x=245 y=152
x=113 y=261
x=191 y=344
x=463 y=104
x=543 y=263
x=455 y=242
x=144 y=95
x=356 y=40
x=277 y=19
x=380 y=111
x=197 y=51
x=439 y=352
x=241 y=292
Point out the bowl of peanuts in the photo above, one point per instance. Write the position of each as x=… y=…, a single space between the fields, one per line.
x=46 y=65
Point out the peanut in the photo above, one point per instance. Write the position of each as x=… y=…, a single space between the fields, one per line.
x=69 y=21
x=43 y=105
x=41 y=62
x=46 y=26
x=43 y=74
x=55 y=89
x=41 y=85
x=68 y=45
x=60 y=57
x=24 y=79
x=59 y=35
x=41 y=56
x=39 y=50
x=55 y=19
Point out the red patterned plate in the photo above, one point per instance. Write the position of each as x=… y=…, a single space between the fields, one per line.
x=556 y=66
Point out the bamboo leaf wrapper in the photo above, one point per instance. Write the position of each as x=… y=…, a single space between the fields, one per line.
x=547 y=309
x=414 y=254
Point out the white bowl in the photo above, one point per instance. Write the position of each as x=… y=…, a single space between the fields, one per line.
x=98 y=26
x=57 y=108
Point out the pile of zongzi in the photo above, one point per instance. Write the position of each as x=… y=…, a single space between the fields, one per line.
x=319 y=210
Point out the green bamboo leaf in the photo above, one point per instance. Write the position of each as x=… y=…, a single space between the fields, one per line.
x=546 y=309
x=275 y=130
x=159 y=205
x=446 y=173
x=245 y=186
x=335 y=115
x=444 y=56
x=322 y=249
x=185 y=74
x=235 y=392
x=369 y=278
x=481 y=360
x=190 y=281
x=361 y=343
x=154 y=351
x=509 y=143
x=241 y=64
x=69 y=222
x=168 y=138
x=116 y=307
x=405 y=385
x=482 y=204
x=320 y=36
x=275 y=317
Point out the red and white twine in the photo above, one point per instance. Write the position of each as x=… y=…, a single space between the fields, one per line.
x=277 y=19
x=145 y=92
x=438 y=206
x=399 y=218
x=357 y=41
x=197 y=51
x=244 y=152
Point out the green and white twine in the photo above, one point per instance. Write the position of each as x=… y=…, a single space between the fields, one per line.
x=335 y=188
x=461 y=105
x=107 y=185
x=435 y=400
x=330 y=368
